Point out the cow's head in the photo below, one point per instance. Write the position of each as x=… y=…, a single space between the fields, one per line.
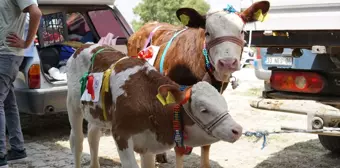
x=208 y=110
x=224 y=35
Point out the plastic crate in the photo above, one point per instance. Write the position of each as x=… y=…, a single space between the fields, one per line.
x=52 y=29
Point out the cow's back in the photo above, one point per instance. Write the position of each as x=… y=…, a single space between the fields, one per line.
x=184 y=62
x=137 y=40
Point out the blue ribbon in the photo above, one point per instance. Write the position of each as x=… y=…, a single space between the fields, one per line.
x=230 y=9
x=166 y=49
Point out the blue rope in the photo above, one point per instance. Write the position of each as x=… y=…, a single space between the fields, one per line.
x=258 y=134
x=166 y=49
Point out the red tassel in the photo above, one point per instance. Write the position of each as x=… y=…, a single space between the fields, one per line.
x=184 y=150
x=90 y=89
x=146 y=53
x=188 y=150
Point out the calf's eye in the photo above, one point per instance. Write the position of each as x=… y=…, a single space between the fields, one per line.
x=207 y=34
x=205 y=111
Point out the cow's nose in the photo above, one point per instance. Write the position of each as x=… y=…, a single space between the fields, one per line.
x=228 y=63
x=237 y=132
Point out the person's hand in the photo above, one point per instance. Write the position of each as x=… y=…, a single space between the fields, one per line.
x=15 y=41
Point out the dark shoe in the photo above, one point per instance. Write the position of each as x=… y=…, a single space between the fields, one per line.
x=13 y=155
x=3 y=162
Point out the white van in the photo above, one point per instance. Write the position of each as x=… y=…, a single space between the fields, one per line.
x=41 y=84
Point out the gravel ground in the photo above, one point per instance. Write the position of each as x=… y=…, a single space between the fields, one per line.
x=48 y=147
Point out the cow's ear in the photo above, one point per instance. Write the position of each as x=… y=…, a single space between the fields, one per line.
x=191 y=18
x=170 y=94
x=256 y=12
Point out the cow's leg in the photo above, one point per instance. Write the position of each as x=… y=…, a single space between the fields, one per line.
x=126 y=153
x=75 y=117
x=161 y=158
x=147 y=160
x=205 y=156
x=179 y=159
x=93 y=136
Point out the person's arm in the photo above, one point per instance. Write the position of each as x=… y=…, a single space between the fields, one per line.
x=35 y=15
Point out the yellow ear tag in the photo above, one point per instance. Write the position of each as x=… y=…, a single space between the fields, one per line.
x=170 y=98
x=161 y=99
x=184 y=19
x=259 y=16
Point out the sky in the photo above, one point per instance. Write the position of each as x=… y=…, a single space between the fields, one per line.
x=126 y=6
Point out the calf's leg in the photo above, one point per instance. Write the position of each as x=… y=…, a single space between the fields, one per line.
x=75 y=117
x=93 y=136
x=205 y=156
x=179 y=159
x=125 y=151
x=147 y=160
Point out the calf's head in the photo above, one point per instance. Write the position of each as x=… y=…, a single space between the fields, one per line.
x=224 y=35
x=209 y=111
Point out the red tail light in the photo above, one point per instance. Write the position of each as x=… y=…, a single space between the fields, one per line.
x=258 y=53
x=34 y=76
x=306 y=82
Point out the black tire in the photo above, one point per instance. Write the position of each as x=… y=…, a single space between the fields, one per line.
x=331 y=143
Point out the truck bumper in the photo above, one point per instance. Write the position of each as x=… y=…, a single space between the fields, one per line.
x=261 y=73
x=42 y=101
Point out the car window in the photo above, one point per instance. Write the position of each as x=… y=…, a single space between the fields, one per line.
x=78 y=28
x=105 y=22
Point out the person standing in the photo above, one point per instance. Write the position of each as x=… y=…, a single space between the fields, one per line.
x=12 y=26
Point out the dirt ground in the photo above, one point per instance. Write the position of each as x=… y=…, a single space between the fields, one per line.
x=48 y=147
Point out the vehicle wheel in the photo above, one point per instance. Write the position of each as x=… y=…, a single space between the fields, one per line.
x=331 y=143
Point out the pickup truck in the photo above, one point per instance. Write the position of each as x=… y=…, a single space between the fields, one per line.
x=299 y=59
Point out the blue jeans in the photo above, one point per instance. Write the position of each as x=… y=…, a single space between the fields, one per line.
x=9 y=114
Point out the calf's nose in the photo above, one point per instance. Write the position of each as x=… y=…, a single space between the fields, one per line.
x=228 y=63
x=237 y=132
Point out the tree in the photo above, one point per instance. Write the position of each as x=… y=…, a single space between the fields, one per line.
x=164 y=10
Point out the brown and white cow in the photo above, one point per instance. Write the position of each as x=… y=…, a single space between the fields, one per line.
x=138 y=120
x=221 y=33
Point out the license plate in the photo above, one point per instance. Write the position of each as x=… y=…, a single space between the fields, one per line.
x=279 y=61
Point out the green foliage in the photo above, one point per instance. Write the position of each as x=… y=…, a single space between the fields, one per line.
x=164 y=10
x=200 y=5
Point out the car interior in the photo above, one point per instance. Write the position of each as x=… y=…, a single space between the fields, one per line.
x=63 y=25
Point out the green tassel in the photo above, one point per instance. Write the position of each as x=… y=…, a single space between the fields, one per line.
x=83 y=82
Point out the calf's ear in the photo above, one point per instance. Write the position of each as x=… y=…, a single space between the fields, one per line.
x=256 y=12
x=168 y=90
x=191 y=18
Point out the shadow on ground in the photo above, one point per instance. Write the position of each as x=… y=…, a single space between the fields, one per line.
x=190 y=161
x=302 y=155
x=45 y=132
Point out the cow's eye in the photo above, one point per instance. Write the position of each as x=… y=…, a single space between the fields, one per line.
x=207 y=34
x=205 y=111
x=242 y=31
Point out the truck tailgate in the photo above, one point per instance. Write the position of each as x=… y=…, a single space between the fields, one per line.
x=298 y=15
